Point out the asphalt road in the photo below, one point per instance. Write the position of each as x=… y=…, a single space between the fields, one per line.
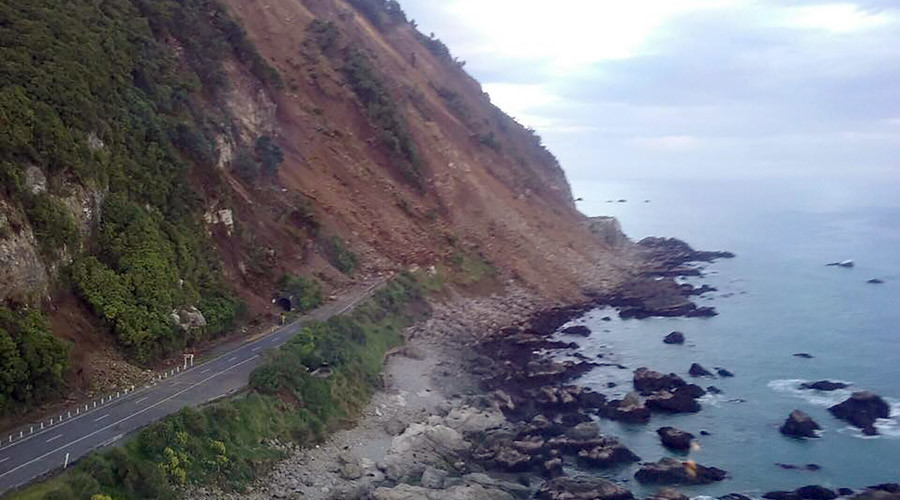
x=38 y=450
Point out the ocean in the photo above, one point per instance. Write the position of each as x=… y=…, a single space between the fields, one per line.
x=776 y=298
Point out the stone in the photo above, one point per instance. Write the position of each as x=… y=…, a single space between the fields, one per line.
x=671 y=471
x=585 y=488
x=875 y=281
x=630 y=409
x=683 y=400
x=607 y=456
x=674 y=338
x=734 y=496
x=782 y=495
x=862 y=409
x=579 y=330
x=669 y=494
x=824 y=385
x=465 y=491
x=648 y=381
x=351 y=471
x=722 y=372
x=816 y=492
x=433 y=478
x=713 y=390
x=697 y=370
x=804 y=355
x=675 y=439
x=799 y=424
x=188 y=318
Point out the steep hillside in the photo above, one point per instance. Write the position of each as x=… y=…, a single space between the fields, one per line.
x=168 y=168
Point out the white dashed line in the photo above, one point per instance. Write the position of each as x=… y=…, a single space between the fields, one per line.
x=256 y=348
x=4 y=460
x=54 y=438
x=101 y=418
x=206 y=370
x=232 y=359
x=142 y=399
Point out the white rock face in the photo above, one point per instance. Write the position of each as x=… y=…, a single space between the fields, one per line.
x=35 y=180
x=188 y=318
x=22 y=272
x=224 y=217
x=608 y=230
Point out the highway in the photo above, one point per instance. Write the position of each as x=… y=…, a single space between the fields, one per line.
x=37 y=450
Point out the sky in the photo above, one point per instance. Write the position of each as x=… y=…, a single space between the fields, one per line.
x=684 y=89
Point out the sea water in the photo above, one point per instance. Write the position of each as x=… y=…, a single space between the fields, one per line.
x=777 y=298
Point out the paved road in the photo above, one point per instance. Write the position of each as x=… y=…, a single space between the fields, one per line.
x=36 y=453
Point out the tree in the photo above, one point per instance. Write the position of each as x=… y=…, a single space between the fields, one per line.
x=269 y=155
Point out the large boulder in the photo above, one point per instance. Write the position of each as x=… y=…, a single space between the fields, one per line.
x=697 y=370
x=648 y=381
x=466 y=491
x=630 y=409
x=607 y=456
x=889 y=491
x=669 y=494
x=671 y=471
x=816 y=492
x=682 y=400
x=674 y=338
x=799 y=424
x=862 y=409
x=585 y=488
x=824 y=385
x=675 y=439
x=580 y=330
x=422 y=445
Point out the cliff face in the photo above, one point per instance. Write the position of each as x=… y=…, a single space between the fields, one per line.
x=215 y=148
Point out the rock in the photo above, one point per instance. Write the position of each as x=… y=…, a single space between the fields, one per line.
x=782 y=495
x=510 y=459
x=609 y=231
x=351 y=472
x=844 y=263
x=713 y=390
x=683 y=400
x=705 y=433
x=824 y=385
x=804 y=355
x=675 y=439
x=433 y=478
x=515 y=489
x=583 y=431
x=669 y=494
x=799 y=424
x=394 y=427
x=580 y=330
x=815 y=492
x=188 y=318
x=421 y=445
x=697 y=370
x=607 y=456
x=862 y=409
x=875 y=281
x=724 y=373
x=552 y=468
x=844 y=492
x=585 y=488
x=875 y=493
x=807 y=467
x=630 y=409
x=606 y=318
x=675 y=337
x=469 y=420
x=734 y=496
x=465 y=491
x=671 y=471
x=648 y=381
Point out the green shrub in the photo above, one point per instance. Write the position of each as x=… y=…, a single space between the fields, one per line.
x=245 y=166
x=490 y=140
x=53 y=225
x=338 y=255
x=32 y=360
x=380 y=13
x=324 y=33
x=305 y=293
x=269 y=155
x=382 y=110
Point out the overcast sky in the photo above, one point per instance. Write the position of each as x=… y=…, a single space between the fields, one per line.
x=658 y=89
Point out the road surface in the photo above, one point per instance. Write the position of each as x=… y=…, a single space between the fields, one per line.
x=37 y=450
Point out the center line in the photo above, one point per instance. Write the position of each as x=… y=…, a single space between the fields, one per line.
x=139 y=412
x=232 y=359
x=4 y=460
x=54 y=438
x=206 y=370
x=142 y=399
x=101 y=418
x=255 y=349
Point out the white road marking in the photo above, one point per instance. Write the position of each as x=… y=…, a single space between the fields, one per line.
x=232 y=359
x=173 y=396
x=206 y=370
x=256 y=348
x=142 y=399
x=101 y=418
x=54 y=438
x=4 y=460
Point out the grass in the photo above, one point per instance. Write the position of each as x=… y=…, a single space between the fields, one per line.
x=225 y=443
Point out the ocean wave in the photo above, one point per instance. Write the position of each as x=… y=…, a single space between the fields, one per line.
x=812 y=396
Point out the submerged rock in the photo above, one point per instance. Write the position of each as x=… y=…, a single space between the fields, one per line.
x=804 y=355
x=724 y=373
x=799 y=424
x=671 y=471
x=862 y=409
x=675 y=439
x=875 y=281
x=824 y=385
x=816 y=492
x=675 y=337
x=844 y=263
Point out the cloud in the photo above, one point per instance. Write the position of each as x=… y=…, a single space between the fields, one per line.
x=708 y=88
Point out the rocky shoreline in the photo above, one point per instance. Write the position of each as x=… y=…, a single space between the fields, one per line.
x=477 y=405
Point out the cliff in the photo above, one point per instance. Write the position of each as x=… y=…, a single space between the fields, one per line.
x=201 y=157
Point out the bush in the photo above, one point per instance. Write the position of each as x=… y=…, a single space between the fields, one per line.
x=269 y=155
x=305 y=293
x=324 y=33
x=382 y=110
x=337 y=253
x=32 y=360
x=53 y=225
x=380 y=13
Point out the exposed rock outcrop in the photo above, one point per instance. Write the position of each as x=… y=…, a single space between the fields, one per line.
x=862 y=409
x=799 y=424
x=671 y=471
x=675 y=439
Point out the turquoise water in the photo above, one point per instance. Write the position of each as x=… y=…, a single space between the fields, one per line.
x=775 y=299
